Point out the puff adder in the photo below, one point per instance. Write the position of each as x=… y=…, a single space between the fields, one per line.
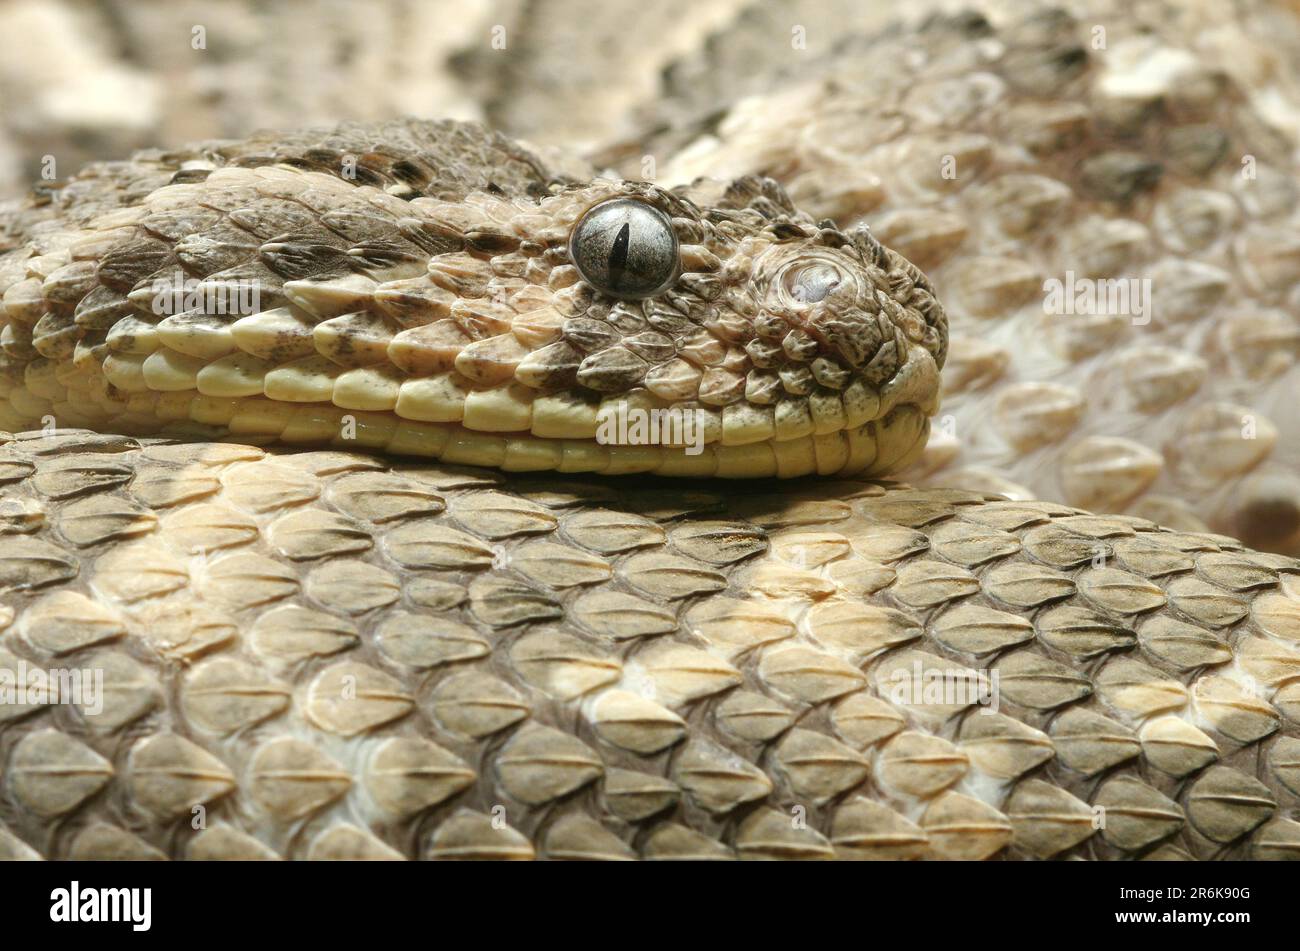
x=342 y=653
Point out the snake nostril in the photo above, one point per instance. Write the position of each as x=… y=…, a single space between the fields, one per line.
x=814 y=289
x=813 y=283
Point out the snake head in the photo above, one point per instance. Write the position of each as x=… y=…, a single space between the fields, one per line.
x=609 y=326
x=797 y=347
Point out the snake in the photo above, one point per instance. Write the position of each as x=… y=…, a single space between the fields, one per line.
x=304 y=473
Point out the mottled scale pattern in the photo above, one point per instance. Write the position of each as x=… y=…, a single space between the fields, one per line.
x=324 y=654
x=403 y=158
x=333 y=655
x=999 y=154
x=528 y=79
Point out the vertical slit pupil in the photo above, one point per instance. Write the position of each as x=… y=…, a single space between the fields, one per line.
x=618 y=254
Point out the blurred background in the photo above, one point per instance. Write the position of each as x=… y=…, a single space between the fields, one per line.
x=82 y=79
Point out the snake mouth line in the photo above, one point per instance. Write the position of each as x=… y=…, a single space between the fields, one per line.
x=880 y=444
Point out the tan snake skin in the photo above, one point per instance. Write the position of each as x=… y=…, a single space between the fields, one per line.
x=328 y=654
x=997 y=158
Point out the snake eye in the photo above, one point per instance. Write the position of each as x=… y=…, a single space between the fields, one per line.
x=625 y=248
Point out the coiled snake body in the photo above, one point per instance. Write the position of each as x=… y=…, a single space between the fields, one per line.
x=500 y=651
